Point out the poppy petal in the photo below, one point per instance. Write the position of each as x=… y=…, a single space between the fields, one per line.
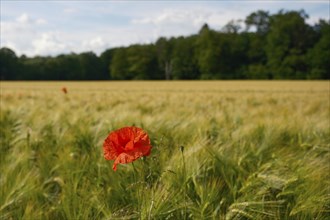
x=111 y=147
x=125 y=135
x=129 y=146
x=126 y=158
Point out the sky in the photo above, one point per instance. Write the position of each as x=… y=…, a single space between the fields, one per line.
x=59 y=27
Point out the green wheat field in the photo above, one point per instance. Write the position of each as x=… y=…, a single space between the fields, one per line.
x=221 y=150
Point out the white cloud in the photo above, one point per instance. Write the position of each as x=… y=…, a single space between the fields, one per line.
x=41 y=21
x=188 y=21
x=69 y=10
x=173 y=17
x=20 y=35
x=49 y=43
x=95 y=44
x=54 y=27
x=24 y=19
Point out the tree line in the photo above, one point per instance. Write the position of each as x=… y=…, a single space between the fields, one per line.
x=271 y=46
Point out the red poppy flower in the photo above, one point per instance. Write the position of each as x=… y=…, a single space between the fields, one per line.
x=64 y=90
x=126 y=145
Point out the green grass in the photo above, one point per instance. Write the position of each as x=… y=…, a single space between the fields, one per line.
x=252 y=150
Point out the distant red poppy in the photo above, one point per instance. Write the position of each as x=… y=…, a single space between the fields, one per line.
x=126 y=145
x=64 y=90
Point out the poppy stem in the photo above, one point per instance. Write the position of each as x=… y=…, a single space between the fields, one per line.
x=28 y=135
x=134 y=172
x=138 y=188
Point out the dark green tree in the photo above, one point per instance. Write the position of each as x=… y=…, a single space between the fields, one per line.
x=288 y=40
x=260 y=20
x=70 y=66
x=232 y=27
x=207 y=53
x=221 y=55
x=9 y=64
x=318 y=56
x=164 y=49
x=34 y=68
x=119 y=65
x=52 y=69
x=184 y=62
x=106 y=58
x=142 y=62
x=91 y=67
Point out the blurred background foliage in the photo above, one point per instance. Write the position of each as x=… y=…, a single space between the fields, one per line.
x=270 y=46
